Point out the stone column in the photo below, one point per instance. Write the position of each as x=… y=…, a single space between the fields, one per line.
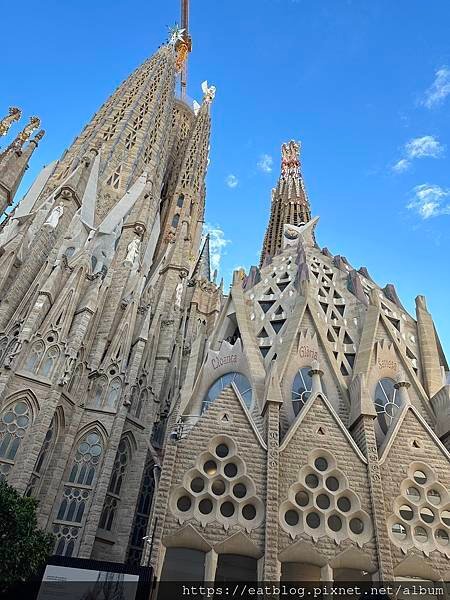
x=271 y=563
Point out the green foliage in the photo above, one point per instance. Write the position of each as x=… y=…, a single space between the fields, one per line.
x=23 y=547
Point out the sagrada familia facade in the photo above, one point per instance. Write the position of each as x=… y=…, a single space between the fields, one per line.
x=296 y=428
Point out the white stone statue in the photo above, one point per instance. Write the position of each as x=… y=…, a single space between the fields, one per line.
x=132 y=252
x=209 y=92
x=55 y=215
x=178 y=294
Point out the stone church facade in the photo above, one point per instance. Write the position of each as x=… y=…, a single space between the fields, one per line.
x=297 y=428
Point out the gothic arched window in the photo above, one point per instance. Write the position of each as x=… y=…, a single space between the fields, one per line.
x=112 y=499
x=43 y=456
x=34 y=358
x=301 y=389
x=387 y=403
x=49 y=361
x=180 y=200
x=113 y=394
x=176 y=218
x=238 y=379
x=14 y=423
x=82 y=475
x=141 y=400
x=98 y=391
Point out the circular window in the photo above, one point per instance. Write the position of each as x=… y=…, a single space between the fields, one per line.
x=230 y=470
x=239 y=490
x=249 y=512
x=184 y=503
x=427 y=515
x=227 y=509
x=313 y=520
x=323 y=501
x=197 y=484
x=399 y=531
x=205 y=506
x=332 y=484
x=406 y=512
x=210 y=467
x=413 y=494
x=301 y=389
x=445 y=516
x=321 y=464
x=421 y=534
x=335 y=523
x=302 y=498
x=420 y=477
x=357 y=526
x=291 y=517
x=312 y=480
x=442 y=537
x=218 y=487
x=222 y=450
x=344 y=504
x=434 y=497
x=20 y=408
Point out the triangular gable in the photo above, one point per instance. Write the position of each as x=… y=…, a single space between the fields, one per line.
x=392 y=434
x=319 y=397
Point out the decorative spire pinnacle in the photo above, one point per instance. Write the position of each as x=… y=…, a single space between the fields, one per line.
x=26 y=132
x=290 y=203
x=209 y=92
x=202 y=269
x=290 y=158
x=14 y=114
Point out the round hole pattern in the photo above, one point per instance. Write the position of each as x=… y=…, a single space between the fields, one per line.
x=217 y=488
x=321 y=503
x=422 y=511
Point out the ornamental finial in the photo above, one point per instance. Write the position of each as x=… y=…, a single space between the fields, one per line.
x=209 y=92
x=26 y=132
x=14 y=114
x=290 y=157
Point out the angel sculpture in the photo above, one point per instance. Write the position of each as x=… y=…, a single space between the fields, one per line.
x=209 y=92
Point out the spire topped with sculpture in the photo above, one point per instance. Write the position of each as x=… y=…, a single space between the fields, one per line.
x=14 y=159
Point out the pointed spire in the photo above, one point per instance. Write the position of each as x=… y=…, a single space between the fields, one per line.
x=289 y=200
x=202 y=269
x=14 y=163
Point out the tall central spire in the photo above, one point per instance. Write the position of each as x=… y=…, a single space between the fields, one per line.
x=290 y=202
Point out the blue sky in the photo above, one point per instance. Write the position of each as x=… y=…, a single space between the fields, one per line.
x=364 y=85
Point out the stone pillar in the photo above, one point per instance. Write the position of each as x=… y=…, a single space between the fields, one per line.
x=211 y=565
x=271 y=563
x=368 y=439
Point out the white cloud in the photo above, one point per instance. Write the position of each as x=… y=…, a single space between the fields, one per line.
x=424 y=146
x=232 y=181
x=217 y=243
x=439 y=89
x=401 y=165
x=265 y=163
x=429 y=201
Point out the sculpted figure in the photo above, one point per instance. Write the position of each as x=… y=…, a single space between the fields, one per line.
x=132 y=252
x=55 y=215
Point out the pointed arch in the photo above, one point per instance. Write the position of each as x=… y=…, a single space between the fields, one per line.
x=16 y=419
x=45 y=453
x=124 y=453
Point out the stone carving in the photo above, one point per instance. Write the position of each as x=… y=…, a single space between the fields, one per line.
x=290 y=156
x=209 y=92
x=55 y=215
x=133 y=249
x=13 y=115
x=178 y=294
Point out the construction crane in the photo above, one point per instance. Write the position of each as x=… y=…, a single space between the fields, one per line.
x=185 y=46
